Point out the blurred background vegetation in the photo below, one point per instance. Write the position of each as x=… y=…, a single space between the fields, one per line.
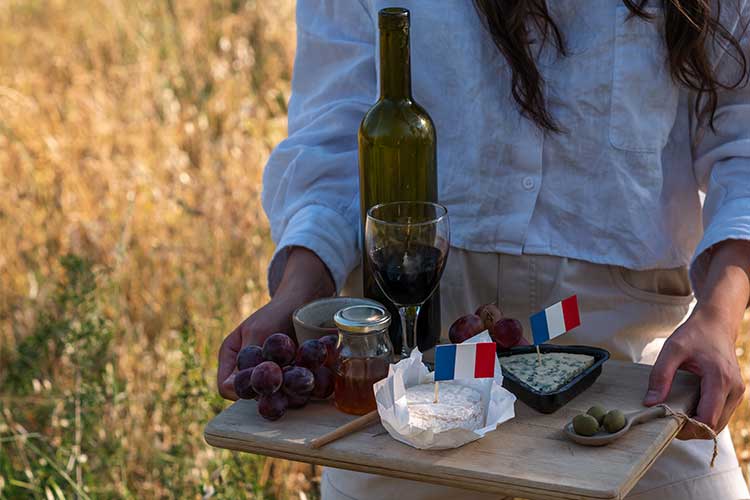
x=132 y=140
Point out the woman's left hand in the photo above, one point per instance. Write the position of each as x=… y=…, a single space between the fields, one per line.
x=704 y=345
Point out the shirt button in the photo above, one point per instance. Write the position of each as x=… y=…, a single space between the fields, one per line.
x=528 y=183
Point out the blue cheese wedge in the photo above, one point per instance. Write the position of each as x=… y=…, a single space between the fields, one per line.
x=556 y=369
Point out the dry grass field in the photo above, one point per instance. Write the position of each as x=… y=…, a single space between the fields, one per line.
x=132 y=140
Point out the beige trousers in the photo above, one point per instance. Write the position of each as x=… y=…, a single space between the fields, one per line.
x=630 y=313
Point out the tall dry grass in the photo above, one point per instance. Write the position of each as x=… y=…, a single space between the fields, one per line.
x=132 y=135
x=132 y=140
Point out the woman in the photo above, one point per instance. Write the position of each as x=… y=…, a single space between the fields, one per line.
x=574 y=139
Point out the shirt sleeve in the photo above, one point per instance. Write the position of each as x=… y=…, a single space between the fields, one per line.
x=722 y=161
x=310 y=183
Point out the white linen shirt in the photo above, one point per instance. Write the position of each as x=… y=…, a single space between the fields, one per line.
x=619 y=186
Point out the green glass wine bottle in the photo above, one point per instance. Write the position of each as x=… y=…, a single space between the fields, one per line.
x=397 y=158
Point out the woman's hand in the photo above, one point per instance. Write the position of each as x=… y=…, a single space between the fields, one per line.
x=305 y=278
x=705 y=343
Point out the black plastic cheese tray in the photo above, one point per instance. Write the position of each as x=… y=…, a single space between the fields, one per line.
x=549 y=402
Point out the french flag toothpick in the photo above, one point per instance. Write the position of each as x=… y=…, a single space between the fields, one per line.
x=458 y=361
x=555 y=320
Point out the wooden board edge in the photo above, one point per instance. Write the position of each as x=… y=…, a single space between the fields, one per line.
x=629 y=485
x=443 y=479
x=679 y=424
x=211 y=428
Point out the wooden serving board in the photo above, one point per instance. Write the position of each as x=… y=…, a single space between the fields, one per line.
x=526 y=457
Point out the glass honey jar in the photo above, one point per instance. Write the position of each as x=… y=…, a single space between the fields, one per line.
x=364 y=354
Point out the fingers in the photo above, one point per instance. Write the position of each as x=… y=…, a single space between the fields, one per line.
x=273 y=317
x=713 y=398
x=720 y=395
x=226 y=388
x=736 y=395
x=662 y=374
x=227 y=362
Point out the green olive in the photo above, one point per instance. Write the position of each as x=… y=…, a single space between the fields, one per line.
x=585 y=425
x=614 y=421
x=598 y=413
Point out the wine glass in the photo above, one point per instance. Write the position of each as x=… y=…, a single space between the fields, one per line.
x=407 y=243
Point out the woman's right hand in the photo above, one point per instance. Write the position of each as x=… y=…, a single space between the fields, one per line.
x=305 y=278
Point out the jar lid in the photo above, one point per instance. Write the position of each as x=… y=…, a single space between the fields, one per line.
x=362 y=318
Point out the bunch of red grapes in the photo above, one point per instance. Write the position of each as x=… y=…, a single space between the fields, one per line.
x=280 y=376
x=506 y=332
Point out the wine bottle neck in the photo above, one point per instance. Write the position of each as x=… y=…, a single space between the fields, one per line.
x=395 y=64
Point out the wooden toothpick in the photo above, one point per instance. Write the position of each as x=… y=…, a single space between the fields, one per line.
x=538 y=355
x=436 y=392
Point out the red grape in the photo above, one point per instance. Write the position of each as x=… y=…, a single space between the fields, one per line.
x=489 y=314
x=266 y=378
x=332 y=353
x=323 y=383
x=249 y=357
x=273 y=406
x=297 y=401
x=507 y=332
x=311 y=354
x=280 y=349
x=464 y=328
x=298 y=380
x=242 y=385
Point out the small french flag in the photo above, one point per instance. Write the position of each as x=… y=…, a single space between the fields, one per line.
x=555 y=320
x=457 y=361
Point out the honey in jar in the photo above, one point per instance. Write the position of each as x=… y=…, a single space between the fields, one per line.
x=365 y=352
x=353 y=384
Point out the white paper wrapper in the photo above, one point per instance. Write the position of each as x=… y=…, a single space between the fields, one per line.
x=390 y=395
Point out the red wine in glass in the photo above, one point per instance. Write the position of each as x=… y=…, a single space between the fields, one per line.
x=407 y=243
x=408 y=275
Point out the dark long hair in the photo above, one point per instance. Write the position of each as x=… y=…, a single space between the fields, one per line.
x=690 y=27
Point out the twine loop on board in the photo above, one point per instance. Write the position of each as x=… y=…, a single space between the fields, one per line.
x=684 y=417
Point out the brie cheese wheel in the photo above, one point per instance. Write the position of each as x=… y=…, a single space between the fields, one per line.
x=458 y=406
x=556 y=369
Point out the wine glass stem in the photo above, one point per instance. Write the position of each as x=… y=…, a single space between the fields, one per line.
x=409 y=316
